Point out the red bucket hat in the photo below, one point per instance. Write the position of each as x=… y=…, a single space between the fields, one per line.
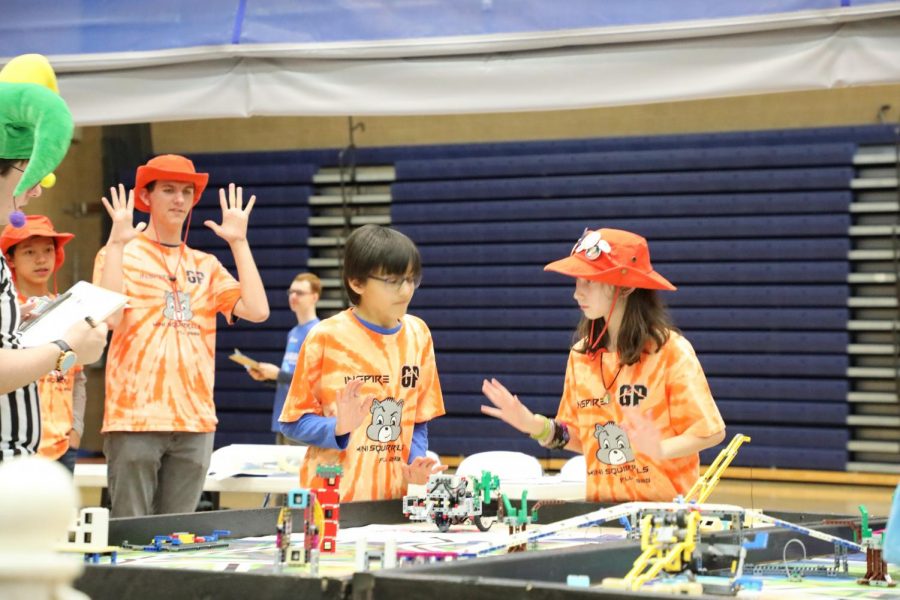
x=612 y=256
x=35 y=225
x=171 y=167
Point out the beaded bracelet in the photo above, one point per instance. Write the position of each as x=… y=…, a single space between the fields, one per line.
x=545 y=431
x=559 y=438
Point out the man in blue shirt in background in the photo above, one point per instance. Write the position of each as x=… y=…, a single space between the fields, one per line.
x=302 y=298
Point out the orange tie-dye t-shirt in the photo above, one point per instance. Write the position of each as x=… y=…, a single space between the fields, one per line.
x=56 y=398
x=398 y=369
x=160 y=366
x=669 y=388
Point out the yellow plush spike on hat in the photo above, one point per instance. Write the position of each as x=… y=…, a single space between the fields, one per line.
x=30 y=68
x=35 y=123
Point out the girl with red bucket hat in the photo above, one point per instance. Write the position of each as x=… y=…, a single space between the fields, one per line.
x=635 y=400
x=35 y=253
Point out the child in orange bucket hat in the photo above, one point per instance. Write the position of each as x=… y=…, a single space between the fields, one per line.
x=635 y=401
x=35 y=253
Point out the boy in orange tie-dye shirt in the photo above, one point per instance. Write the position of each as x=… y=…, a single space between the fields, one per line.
x=635 y=402
x=366 y=384
x=159 y=418
x=35 y=253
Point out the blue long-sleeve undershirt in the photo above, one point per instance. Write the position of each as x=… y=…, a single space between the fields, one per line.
x=316 y=430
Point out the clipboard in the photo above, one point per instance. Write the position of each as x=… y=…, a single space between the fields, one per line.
x=81 y=300
x=243 y=360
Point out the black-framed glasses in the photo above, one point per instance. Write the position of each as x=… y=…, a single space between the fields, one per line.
x=17 y=168
x=397 y=282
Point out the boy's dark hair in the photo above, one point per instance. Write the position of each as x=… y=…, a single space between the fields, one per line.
x=6 y=165
x=11 y=251
x=373 y=249
x=646 y=320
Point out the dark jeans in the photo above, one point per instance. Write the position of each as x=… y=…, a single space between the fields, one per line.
x=68 y=459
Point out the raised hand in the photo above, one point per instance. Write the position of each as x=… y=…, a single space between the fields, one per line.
x=350 y=409
x=507 y=407
x=421 y=469
x=121 y=211
x=235 y=216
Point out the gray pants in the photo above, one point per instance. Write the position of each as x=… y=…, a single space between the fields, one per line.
x=154 y=473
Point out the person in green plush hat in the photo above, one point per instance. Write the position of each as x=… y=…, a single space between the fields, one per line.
x=35 y=132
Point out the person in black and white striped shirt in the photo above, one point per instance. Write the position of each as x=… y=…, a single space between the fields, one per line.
x=35 y=132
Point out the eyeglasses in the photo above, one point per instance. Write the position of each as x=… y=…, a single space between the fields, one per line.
x=397 y=282
x=297 y=293
x=22 y=171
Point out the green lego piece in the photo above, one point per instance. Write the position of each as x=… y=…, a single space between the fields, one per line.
x=484 y=486
x=329 y=471
x=865 y=530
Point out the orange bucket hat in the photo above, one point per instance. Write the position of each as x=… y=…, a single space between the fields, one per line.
x=612 y=256
x=171 y=167
x=35 y=225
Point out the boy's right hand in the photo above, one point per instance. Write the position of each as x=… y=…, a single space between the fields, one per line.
x=507 y=407
x=121 y=211
x=87 y=342
x=351 y=410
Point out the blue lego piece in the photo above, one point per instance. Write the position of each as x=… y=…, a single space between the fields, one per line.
x=891 y=539
x=298 y=498
x=626 y=523
x=578 y=580
x=752 y=584
x=760 y=541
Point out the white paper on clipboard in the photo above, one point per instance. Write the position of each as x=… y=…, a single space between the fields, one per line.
x=81 y=300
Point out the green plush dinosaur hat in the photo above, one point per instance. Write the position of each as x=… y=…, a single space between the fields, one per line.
x=35 y=123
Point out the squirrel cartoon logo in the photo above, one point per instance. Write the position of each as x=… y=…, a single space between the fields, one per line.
x=178 y=311
x=614 y=446
x=386 y=416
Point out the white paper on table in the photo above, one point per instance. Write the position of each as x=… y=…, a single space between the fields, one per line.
x=260 y=460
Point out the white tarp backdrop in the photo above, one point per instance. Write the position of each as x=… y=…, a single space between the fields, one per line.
x=371 y=73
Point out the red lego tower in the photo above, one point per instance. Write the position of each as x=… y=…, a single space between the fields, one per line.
x=329 y=497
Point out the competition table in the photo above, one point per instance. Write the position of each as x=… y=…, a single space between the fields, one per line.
x=533 y=574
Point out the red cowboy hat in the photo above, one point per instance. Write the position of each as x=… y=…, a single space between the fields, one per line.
x=35 y=225
x=612 y=256
x=170 y=167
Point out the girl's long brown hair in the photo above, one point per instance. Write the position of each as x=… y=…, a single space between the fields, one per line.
x=646 y=326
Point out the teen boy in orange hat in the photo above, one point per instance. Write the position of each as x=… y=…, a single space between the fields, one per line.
x=635 y=400
x=35 y=253
x=160 y=419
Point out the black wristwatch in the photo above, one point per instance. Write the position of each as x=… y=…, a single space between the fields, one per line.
x=67 y=357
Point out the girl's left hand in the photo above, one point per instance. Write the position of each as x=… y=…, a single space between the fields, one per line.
x=421 y=469
x=644 y=436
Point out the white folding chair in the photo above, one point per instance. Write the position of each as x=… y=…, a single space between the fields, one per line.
x=574 y=469
x=506 y=465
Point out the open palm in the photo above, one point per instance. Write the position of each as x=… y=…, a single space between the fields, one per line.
x=235 y=216
x=121 y=211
